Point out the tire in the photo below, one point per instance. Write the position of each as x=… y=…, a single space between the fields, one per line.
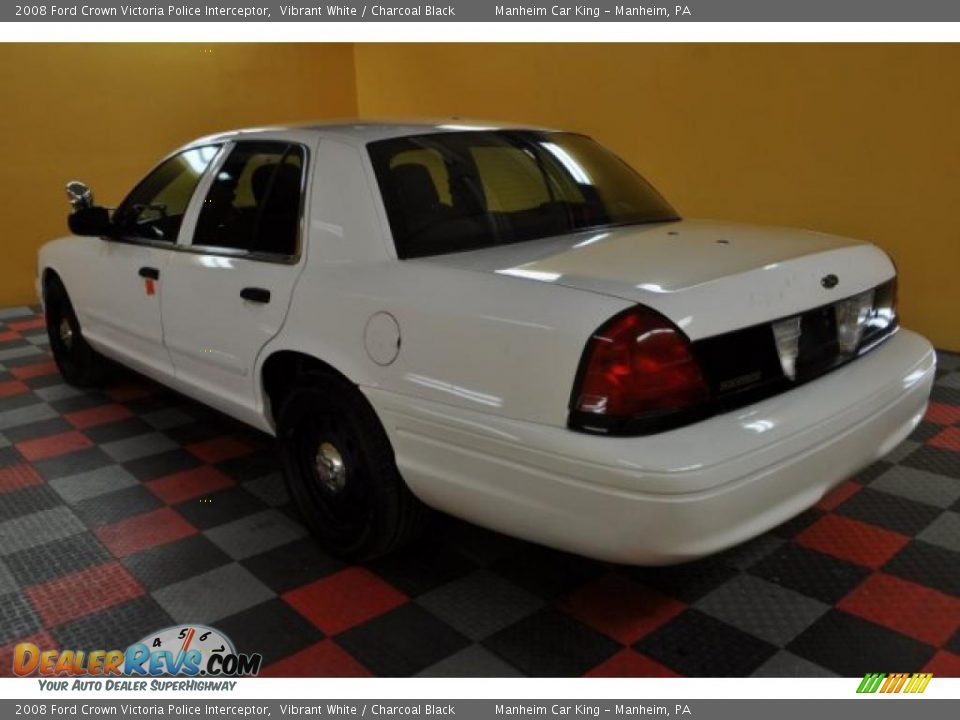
x=341 y=472
x=79 y=364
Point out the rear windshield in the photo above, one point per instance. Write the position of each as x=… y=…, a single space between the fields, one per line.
x=457 y=191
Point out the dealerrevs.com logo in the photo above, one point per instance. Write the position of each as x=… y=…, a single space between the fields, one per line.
x=178 y=651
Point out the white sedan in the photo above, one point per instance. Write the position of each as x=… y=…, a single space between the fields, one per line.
x=504 y=323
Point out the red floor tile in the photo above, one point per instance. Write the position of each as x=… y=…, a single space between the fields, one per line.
x=53 y=445
x=345 y=599
x=141 y=532
x=852 y=540
x=83 y=419
x=25 y=372
x=838 y=495
x=906 y=607
x=944 y=664
x=628 y=663
x=189 y=484
x=942 y=414
x=7 y=336
x=42 y=640
x=17 y=477
x=12 y=387
x=82 y=593
x=947 y=439
x=620 y=608
x=323 y=659
x=219 y=449
x=23 y=325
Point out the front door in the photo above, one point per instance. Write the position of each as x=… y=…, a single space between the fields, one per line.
x=121 y=308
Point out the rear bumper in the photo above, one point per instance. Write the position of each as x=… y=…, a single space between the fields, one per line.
x=670 y=497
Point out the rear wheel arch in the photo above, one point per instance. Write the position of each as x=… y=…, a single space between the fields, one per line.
x=284 y=369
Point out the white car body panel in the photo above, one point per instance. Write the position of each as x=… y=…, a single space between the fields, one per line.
x=671 y=497
x=487 y=345
x=708 y=277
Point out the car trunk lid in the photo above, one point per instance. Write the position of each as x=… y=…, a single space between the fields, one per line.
x=708 y=277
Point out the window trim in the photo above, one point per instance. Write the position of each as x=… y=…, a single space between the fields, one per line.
x=382 y=204
x=236 y=253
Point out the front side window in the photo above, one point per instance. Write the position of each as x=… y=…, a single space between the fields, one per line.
x=457 y=191
x=254 y=202
x=155 y=208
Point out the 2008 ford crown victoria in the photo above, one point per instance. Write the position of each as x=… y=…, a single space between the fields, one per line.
x=503 y=323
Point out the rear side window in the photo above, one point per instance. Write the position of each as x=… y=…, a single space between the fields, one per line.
x=253 y=204
x=455 y=191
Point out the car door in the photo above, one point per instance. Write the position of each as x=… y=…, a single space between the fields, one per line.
x=228 y=294
x=121 y=307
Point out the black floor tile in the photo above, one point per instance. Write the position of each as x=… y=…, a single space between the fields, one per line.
x=292 y=565
x=219 y=508
x=810 y=572
x=73 y=463
x=120 y=430
x=551 y=644
x=422 y=566
x=793 y=527
x=872 y=472
x=402 y=642
x=935 y=460
x=899 y=514
x=273 y=629
x=688 y=582
x=172 y=562
x=27 y=500
x=41 y=429
x=547 y=573
x=250 y=467
x=113 y=507
x=115 y=627
x=17 y=618
x=697 y=645
x=54 y=559
x=930 y=565
x=852 y=647
x=161 y=464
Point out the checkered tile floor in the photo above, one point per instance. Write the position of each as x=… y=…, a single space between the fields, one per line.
x=128 y=509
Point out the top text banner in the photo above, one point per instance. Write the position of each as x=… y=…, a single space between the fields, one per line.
x=486 y=11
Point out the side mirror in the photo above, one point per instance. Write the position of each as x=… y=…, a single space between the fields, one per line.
x=79 y=195
x=90 y=221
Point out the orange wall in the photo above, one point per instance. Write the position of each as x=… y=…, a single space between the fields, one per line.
x=106 y=113
x=861 y=140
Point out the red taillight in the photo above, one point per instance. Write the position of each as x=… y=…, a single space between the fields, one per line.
x=638 y=364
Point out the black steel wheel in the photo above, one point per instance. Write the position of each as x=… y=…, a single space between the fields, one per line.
x=340 y=470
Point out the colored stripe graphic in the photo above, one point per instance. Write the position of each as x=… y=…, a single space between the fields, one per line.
x=895 y=683
x=870 y=683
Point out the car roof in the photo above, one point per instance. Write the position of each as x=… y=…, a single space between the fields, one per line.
x=364 y=131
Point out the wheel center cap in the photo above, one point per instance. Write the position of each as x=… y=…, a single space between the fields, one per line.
x=66 y=333
x=331 y=469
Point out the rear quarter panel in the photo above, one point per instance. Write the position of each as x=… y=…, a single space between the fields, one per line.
x=484 y=342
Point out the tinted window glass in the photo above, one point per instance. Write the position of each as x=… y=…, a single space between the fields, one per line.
x=254 y=201
x=155 y=208
x=449 y=192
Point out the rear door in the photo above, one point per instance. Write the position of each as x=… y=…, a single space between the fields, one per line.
x=227 y=292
